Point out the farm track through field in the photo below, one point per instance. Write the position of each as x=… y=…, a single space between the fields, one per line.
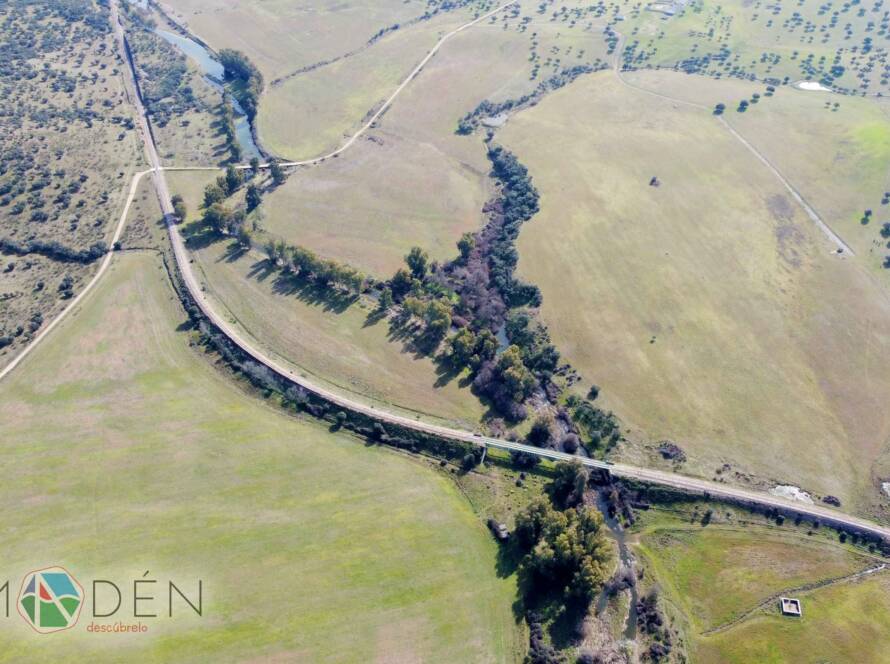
x=647 y=475
x=106 y=261
x=836 y=239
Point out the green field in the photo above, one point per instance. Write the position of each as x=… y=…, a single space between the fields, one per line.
x=842 y=623
x=710 y=308
x=333 y=102
x=126 y=451
x=834 y=149
x=722 y=581
x=719 y=573
x=281 y=36
x=412 y=180
x=334 y=343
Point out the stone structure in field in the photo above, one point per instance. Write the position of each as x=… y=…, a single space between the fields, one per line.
x=791 y=606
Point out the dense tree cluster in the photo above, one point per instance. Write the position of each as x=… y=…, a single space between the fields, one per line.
x=598 y=426
x=507 y=382
x=217 y=215
x=564 y=550
x=227 y=124
x=246 y=79
x=470 y=122
x=306 y=264
x=54 y=249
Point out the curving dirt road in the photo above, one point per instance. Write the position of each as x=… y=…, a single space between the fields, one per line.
x=106 y=261
x=414 y=72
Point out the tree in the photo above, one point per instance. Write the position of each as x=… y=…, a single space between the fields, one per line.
x=466 y=244
x=213 y=193
x=417 y=260
x=385 y=299
x=178 y=207
x=563 y=549
x=217 y=216
x=438 y=320
x=401 y=283
x=462 y=347
x=252 y=197
x=276 y=172
x=569 y=483
x=541 y=433
x=514 y=374
x=233 y=179
x=486 y=345
x=244 y=237
x=254 y=166
x=570 y=443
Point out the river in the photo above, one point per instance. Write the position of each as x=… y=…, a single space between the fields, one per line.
x=214 y=75
x=626 y=564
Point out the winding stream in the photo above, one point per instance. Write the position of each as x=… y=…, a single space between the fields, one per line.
x=214 y=74
x=626 y=562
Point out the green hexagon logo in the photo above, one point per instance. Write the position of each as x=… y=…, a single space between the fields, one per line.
x=50 y=600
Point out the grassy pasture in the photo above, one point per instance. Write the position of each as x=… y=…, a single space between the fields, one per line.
x=331 y=341
x=841 y=623
x=715 y=576
x=309 y=115
x=719 y=573
x=834 y=149
x=709 y=308
x=282 y=36
x=412 y=180
x=126 y=451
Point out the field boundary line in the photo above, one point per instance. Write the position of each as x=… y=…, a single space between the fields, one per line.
x=807 y=587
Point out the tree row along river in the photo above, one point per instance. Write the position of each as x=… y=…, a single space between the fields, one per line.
x=214 y=75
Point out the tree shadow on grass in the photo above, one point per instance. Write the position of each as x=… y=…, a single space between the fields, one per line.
x=307 y=291
x=199 y=236
x=508 y=558
x=375 y=317
x=233 y=253
x=262 y=270
x=447 y=372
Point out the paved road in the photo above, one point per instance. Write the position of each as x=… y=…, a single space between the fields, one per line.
x=663 y=478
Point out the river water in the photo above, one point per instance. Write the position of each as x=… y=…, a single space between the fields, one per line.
x=626 y=562
x=214 y=74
